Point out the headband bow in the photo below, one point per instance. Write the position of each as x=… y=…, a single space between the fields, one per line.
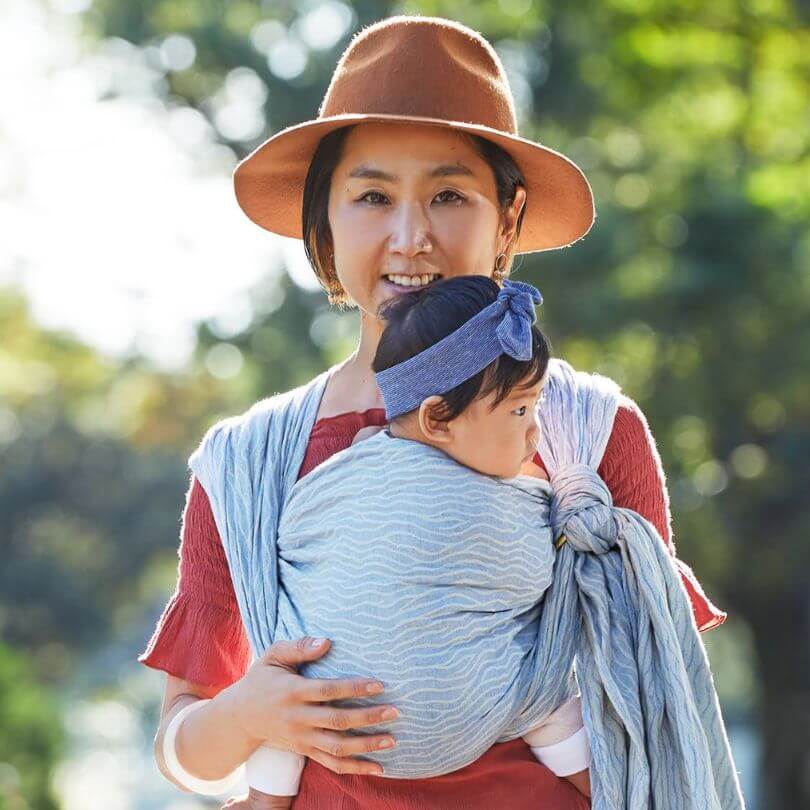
x=503 y=327
x=515 y=330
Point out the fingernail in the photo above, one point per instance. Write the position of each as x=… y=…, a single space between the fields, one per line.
x=386 y=744
x=390 y=714
x=374 y=688
x=316 y=642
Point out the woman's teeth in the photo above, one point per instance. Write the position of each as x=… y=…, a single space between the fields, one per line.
x=413 y=281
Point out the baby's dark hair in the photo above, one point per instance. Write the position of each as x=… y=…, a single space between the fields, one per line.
x=419 y=319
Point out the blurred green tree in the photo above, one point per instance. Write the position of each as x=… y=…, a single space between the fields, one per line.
x=31 y=740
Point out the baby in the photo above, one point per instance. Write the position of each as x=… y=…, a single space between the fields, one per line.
x=485 y=421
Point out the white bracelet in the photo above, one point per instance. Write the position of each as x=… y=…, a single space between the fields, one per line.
x=572 y=755
x=275 y=771
x=205 y=787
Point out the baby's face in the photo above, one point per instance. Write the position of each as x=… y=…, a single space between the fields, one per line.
x=498 y=440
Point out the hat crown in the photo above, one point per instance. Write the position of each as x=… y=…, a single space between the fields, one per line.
x=423 y=67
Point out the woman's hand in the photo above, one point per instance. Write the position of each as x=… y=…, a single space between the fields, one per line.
x=275 y=705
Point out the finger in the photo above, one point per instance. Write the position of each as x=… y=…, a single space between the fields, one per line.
x=346 y=764
x=293 y=653
x=316 y=690
x=345 y=745
x=339 y=719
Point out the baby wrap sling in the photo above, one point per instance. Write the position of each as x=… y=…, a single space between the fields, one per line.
x=519 y=614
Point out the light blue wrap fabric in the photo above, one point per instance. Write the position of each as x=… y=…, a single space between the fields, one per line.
x=444 y=583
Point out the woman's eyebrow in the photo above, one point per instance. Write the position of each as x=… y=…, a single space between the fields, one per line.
x=448 y=170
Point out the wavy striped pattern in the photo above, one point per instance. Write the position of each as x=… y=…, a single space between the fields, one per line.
x=444 y=583
x=427 y=576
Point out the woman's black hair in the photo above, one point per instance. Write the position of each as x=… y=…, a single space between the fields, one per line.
x=317 y=234
x=419 y=319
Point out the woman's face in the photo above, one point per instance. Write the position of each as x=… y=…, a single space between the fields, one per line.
x=411 y=203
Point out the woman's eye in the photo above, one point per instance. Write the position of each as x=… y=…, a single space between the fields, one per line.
x=376 y=198
x=520 y=411
x=369 y=194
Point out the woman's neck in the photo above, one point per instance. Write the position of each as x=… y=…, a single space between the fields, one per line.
x=371 y=330
x=353 y=386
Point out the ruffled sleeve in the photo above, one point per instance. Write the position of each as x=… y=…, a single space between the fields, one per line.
x=632 y=470
x=200 y=636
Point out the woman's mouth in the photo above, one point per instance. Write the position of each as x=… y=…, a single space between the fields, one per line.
x=411 y=282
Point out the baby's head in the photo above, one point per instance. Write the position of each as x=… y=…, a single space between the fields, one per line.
x=488 y=420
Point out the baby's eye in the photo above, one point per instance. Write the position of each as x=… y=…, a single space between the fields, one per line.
x=520 y=411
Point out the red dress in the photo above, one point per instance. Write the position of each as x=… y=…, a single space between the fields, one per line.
x=200 y=636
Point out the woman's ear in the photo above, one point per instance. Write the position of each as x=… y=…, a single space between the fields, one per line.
x=511 y=215
x=432 y=427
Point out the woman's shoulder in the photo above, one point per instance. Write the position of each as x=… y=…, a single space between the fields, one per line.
x=265 y=408
x=257 y=421
x=563 y=376
x=631 y=423
x=629 y=420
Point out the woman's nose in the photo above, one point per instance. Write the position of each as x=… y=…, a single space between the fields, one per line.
x=411 y=231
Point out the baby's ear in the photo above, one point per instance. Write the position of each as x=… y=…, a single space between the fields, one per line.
x=366 y=433
x=430 y=424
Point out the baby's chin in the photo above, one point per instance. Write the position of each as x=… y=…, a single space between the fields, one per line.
x=505 y=472
x=532 y=469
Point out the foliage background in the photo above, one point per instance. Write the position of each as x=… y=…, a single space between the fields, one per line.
x=692 y=123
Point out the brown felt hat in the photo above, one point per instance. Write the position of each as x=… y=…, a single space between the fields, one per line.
x=426 y=70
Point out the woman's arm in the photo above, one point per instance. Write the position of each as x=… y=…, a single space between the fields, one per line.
x=201 y=644
x=272 y=704
x=232 y=745
x=632 y=470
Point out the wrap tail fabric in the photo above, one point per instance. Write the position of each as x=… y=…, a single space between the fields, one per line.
x=649 y=703
x=247 y=465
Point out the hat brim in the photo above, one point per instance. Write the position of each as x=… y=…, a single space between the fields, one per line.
x=269 y=182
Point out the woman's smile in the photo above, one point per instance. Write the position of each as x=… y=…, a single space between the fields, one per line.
x=405 y=281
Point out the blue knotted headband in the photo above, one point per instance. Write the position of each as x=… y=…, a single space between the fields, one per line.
x=503 y=327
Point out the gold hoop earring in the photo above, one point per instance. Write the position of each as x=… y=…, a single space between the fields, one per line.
x=499 y=272
x=334 y=289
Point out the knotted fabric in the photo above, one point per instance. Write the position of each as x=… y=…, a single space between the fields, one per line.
x=445 y=584
x=502 y=327
x=649 y=704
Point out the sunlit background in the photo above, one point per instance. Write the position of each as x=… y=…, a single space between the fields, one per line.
x=138 y=305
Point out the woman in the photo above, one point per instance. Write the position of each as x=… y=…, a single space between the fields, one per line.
x=388 y=192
